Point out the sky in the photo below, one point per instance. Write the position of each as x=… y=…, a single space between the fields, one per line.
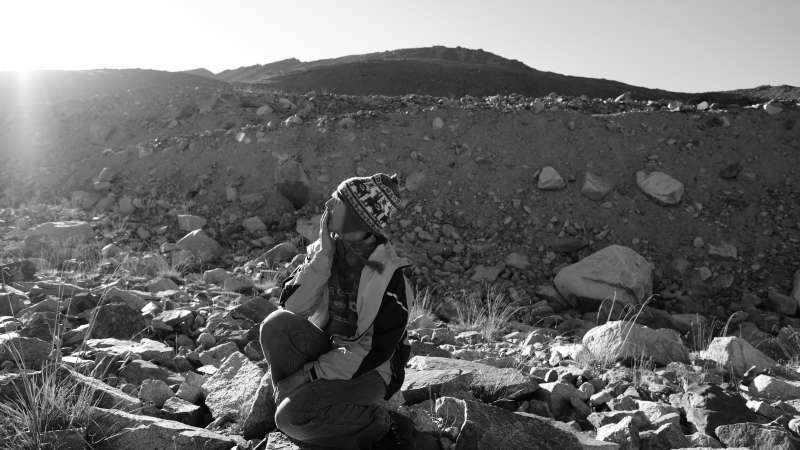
x=679 y=45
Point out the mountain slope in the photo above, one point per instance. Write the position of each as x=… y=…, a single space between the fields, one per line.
x=443 y=71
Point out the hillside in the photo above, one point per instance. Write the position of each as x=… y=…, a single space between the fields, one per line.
x=586 y=268
x=448 y=72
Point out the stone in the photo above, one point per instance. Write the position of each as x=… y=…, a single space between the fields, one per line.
x=710 y=406
x=254 y=225
x=292 y=182
x=125 y=431
x=233 y=388
x=146 y=349
x=616 y=340
x=155 y=391
x=103 y=395
x=488 y=274
x=180 y=410
x=264 y=110
x=595 y=187
x=625 y=433
x=699 y=439
x=25 y=352
x=174 y=317
x=773 y=107
x=737 y=355
x=518 y=260
x=117 y=320
x=660 y=186
x=756 y=436
x=421 y=385
x=775 y=388
x=487 y=380
x=281 y=253
x=138 y=370
x=601 y=419
x=10 y=304
x=237 y=283
x=560 y=399
x=215 y=276
x=665 y=437
x=482 y=426
x=215 y=355
x=162 y=284
x=259 y=415
x=783 y=304
x=438 y=123
x=549 y=179
x=656 y=411
x=614 y=272
x=253 y=308
x=189 y=392
x=201 y=246
x=189 y=222
x=114 y=294
x=66 y=232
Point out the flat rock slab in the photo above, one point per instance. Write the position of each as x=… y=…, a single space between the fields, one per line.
x=146 y=349
x=486 y=379
x=619 y=339
x=756 y=437
x=130 y=431
x=483 y=426
x=615 y=272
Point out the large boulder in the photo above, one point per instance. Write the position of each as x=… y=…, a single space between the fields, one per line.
x=660 y=186
x=709 y=406
x=621 y=339
x=615 y=272
x=125 y=431
x=483 y=426
x=232 y=391
x=293 y=183
x=259 y=415
x=737 y=355
x=201 y=246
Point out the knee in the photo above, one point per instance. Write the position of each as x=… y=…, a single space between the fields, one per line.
x=293 y=419
x=274 y=327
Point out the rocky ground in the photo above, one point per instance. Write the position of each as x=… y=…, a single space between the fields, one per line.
x=600 y=273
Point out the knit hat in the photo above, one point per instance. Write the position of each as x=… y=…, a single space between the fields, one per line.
x=375 y=199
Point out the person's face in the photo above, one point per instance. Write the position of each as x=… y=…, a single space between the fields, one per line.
x=335 y=208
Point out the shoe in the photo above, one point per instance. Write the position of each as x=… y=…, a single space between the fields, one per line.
x=400 y=436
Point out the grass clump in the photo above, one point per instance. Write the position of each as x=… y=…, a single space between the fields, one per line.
x=487 y=311
x=42 y=403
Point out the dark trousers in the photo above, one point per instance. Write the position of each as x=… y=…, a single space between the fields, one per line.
x=346 y=414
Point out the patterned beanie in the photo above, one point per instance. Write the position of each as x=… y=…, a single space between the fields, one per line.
x=375 y=199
